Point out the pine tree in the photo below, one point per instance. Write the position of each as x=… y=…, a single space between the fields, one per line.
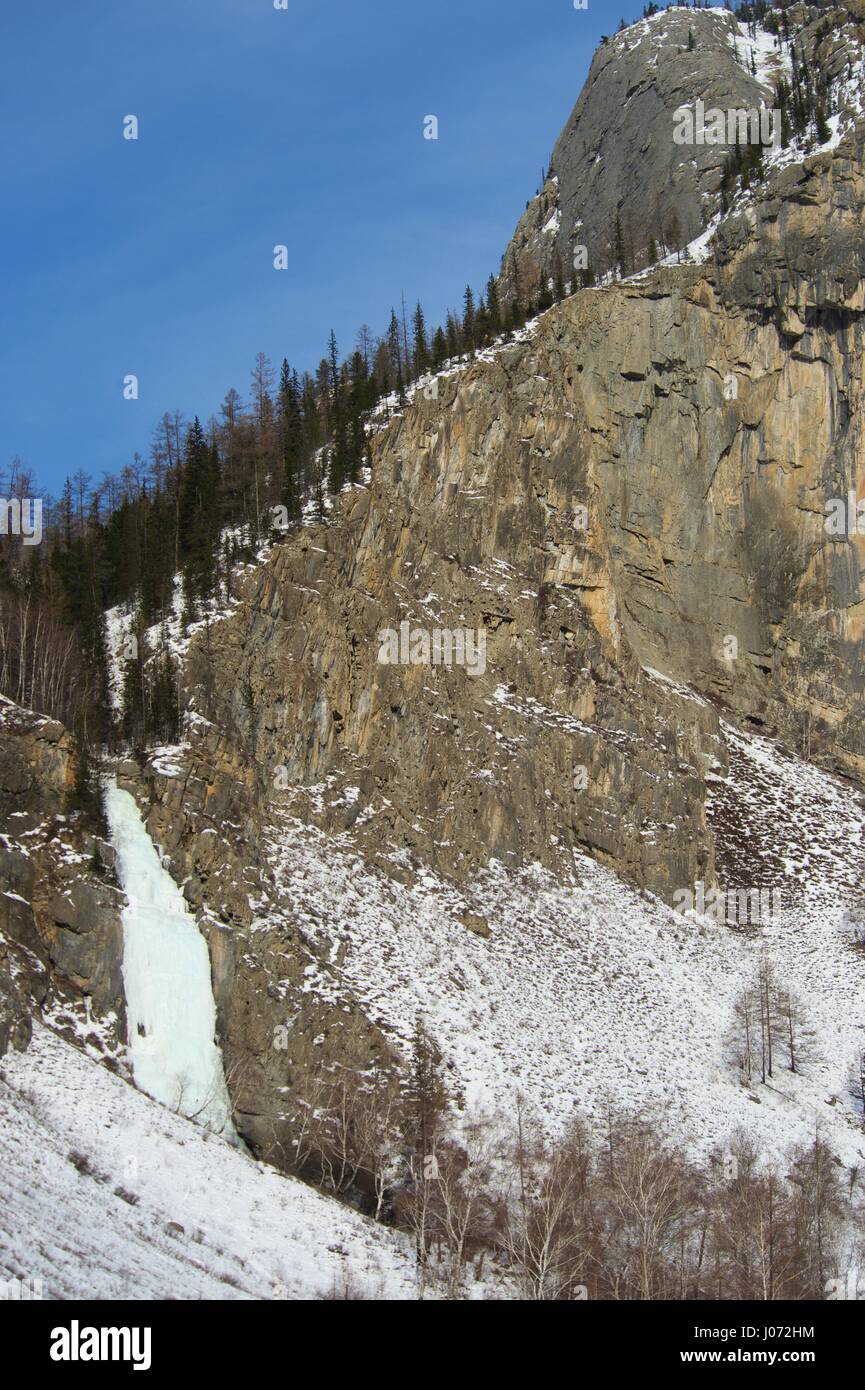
x=494 y=310
x=517 y=318
x=782 y=103
x=439 y=349
x=545 y=294
x=424 y=1098
x=357 y=448
x=421 y=347
x=452 y=336
x=469 y=341
x=822 y=126
x=338 y=458
x=394 y=346
x=482 y=327
x=198 y=516
x=290 y=420
x=333 y=364
x=133 y=695
x=163 y=714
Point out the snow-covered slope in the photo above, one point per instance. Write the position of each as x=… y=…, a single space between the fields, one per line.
x=581 y=995
x=592 y=992
x=104 y=1194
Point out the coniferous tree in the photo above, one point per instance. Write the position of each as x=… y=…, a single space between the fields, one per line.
x=494 y=309
x=439 y=348
x=163 y=718
x=338 y=458
x=421 y=347
x=516 y=293
x=468 y=335
x=290 y=418
x=133 y=694
x=545 y=293
x=394 y=346
x=198 y=518
x=821 y=125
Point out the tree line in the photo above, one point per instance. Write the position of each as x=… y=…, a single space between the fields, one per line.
x=616 y=1210
x=204 y=497
x=202 y=501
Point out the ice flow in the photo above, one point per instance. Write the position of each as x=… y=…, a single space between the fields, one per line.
x=171 y=1016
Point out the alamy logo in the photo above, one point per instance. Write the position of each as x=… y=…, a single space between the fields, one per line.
x=440 y=647
x=76 y=1343
x=734 y=906
x=738 y=126
x=845 y=516
x=20 y=1290
x=21 y=517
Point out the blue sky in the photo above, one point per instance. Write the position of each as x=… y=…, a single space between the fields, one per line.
x=257 y=127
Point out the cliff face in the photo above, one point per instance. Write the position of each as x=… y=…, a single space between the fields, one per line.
x=616 y=156
x=60 y=932
x=718 y=507
x=630 y=502
x=625 y=510
x=641 y=483
x=471 y=522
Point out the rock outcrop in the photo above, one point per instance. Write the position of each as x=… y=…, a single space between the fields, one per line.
x=616 y=156
x=60 y=932
x=639 y=486
x=620 y=514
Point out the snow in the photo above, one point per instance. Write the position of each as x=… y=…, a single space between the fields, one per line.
x=773 y=60
x=171 y=1016
x=770 y=60
x=697 y=252
x=119 y=624
x=171 y=633
x=586 y=989
x=684 y=691
x=389 y=407
x=837 y=133
x=106 y=1195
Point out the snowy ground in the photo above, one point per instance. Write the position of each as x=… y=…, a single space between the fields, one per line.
x=104 y=1194
x=593 y=992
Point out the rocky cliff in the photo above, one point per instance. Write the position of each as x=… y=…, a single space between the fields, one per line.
x=640 y=485
x=616 y=156
x=623 y=509
x=630 y=502
x=60 y=932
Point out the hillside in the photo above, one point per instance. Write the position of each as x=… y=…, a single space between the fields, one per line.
x=439 y=764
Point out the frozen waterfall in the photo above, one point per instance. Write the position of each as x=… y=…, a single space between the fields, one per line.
x=171 y=1016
